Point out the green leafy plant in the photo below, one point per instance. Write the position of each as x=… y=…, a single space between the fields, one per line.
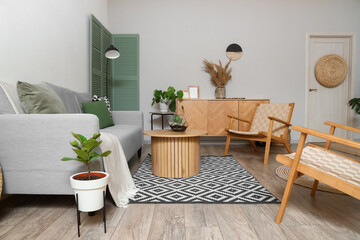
x=178 y=119
x=355 y=103
x=168 y=96
x=84 y=149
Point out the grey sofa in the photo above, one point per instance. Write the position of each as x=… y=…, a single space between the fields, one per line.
x=31 y=146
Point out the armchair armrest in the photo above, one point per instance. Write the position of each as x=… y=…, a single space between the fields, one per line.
x=129 y=117
x=280 y=121
x=332 y=124
x=326 y=136
x=242 y=120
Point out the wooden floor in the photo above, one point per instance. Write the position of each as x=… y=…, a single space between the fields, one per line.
x=325 y=216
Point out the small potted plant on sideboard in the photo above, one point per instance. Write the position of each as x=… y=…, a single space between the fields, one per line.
x=167 y=99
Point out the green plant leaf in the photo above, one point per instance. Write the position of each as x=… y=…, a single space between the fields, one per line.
x=96 y=135
x=97 y=155
x=75 y=144
x=68 y=159
x=105 y=154
x=355 y=103
x=172 y=106
x=157 y=96
x=79 y=137
x=90 y=144
x=81 y=154
x=179 y=94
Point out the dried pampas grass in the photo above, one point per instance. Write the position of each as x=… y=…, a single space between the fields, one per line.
x=219 y=75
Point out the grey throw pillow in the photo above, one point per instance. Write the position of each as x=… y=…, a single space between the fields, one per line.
x=71 y=99
x=39 y=98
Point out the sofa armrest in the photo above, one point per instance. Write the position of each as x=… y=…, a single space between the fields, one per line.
x=32 y=146
x=129 y=117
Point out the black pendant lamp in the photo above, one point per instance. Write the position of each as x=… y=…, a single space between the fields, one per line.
x=110 y=53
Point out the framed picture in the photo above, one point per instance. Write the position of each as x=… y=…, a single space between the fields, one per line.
x=194 y=92
x=186 y=94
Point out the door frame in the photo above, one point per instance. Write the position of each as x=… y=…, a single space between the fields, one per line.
x=351 y=73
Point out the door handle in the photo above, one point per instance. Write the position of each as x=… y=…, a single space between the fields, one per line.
x=312 y=90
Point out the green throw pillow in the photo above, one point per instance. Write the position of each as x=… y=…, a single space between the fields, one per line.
x=39 y=98
x=100 y=110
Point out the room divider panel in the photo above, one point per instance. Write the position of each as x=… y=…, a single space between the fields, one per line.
x=123 y=72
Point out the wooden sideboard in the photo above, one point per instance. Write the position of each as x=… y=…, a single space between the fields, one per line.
x=211 y=114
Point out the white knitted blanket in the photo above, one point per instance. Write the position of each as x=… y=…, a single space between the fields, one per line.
x=121 y=184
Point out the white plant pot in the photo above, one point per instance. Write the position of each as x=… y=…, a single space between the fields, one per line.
x=164 y=107
x=90 y=192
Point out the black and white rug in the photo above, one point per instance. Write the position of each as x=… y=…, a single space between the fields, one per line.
x=221 y=180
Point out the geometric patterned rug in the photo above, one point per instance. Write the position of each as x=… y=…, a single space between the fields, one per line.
x=221 y=180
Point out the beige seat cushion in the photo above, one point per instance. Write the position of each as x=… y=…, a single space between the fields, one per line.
x=330 y=163
x=243 y=133
x=261 y=120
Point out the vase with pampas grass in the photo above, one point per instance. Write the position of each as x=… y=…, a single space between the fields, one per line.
x=219 y=76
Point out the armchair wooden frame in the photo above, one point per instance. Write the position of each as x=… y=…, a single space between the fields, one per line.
x=262 y=135
x=298 y=169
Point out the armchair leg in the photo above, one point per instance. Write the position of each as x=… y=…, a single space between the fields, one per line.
x=315 y=185
x=227 y=145
x=288 y=147
x=286 y=197
x=253 y=145
x=267 y=149
x=268 y=142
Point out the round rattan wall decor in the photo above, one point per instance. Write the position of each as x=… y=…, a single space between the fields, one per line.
x=331 y=70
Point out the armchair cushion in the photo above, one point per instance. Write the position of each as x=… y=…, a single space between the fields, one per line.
x=330 y=163
x=243 y=133
x=261 y=120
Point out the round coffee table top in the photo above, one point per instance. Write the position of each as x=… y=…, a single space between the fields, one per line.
x=169 y=133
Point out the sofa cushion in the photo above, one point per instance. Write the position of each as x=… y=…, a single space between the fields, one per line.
x=39 y=98
x=95 y=98
x=12 y=96
x=130 y=137
x=100 y=110
x=71 y=99
x=5 y=105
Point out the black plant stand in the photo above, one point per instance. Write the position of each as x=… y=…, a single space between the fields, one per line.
x=90 y=214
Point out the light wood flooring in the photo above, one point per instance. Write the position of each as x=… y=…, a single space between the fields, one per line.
x=325 y=216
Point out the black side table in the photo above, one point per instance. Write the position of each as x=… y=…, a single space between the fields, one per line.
x=162 y=117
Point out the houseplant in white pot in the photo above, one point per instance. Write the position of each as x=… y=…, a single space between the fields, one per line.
x=88 y=185
x=167 y=99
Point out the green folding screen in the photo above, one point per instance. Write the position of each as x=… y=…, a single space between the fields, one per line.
x=123 y=71
x=100 y=40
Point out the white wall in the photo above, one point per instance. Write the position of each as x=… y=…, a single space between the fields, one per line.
x=175 y=36
x=47 y=40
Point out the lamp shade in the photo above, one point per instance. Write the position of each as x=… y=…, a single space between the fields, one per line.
x=112 y=52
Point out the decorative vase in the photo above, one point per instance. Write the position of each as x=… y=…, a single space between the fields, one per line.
x=164 y=107
x=220 y=92
x=178 y=123
x=90 y=192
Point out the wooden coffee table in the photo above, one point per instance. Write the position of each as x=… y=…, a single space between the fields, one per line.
x=175 y=154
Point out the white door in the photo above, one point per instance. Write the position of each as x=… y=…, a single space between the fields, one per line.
x=327 y=104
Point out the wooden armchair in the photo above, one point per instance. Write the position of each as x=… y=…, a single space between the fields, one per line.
x=270 y=122
x=333 y=169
